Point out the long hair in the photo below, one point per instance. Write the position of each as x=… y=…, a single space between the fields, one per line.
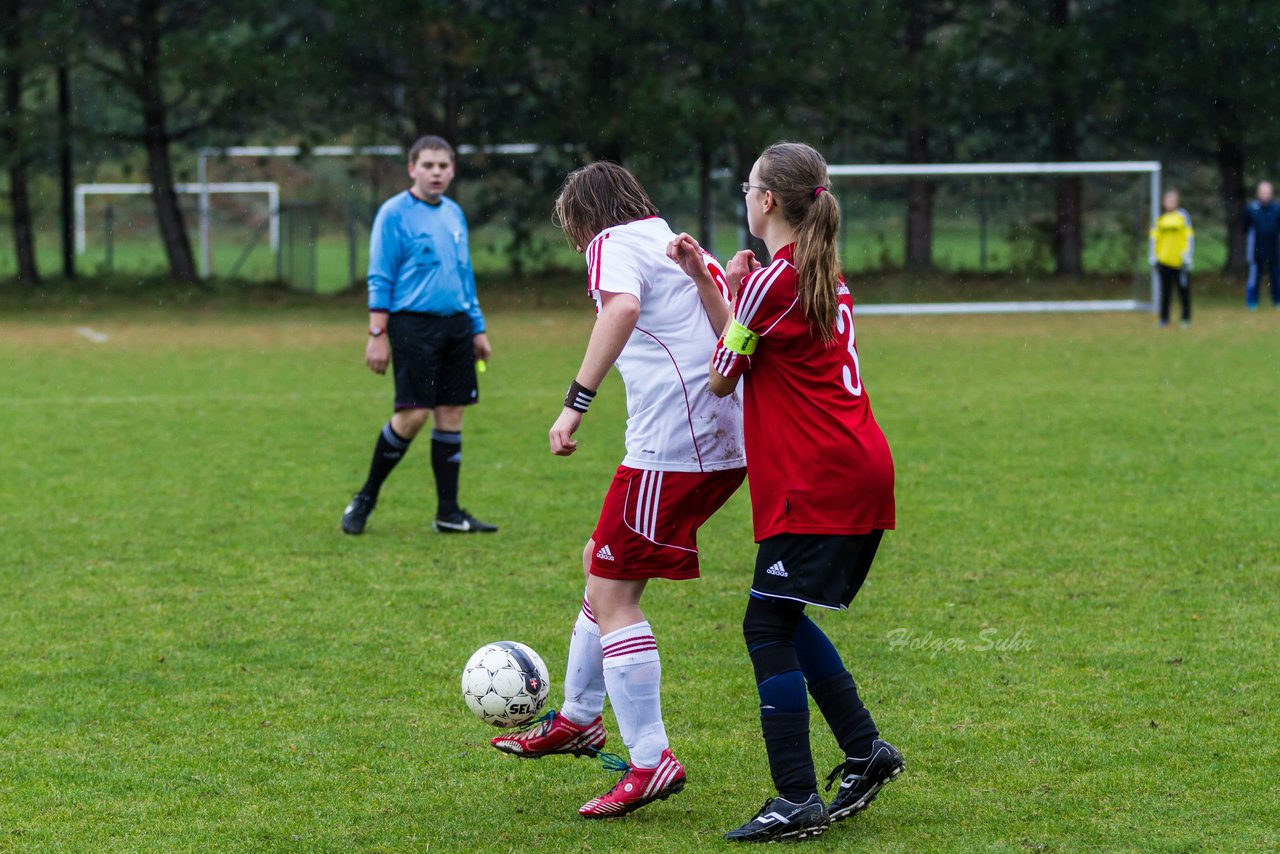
x=598 y=196
x=797 y=175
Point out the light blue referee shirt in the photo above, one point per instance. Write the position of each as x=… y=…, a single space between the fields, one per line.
x=419 y=259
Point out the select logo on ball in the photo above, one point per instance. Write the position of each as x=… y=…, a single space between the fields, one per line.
x=505 y=684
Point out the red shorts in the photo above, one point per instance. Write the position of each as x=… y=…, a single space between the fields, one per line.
x=649 y=524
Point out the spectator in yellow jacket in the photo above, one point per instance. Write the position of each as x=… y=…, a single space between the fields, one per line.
x=1173 y=244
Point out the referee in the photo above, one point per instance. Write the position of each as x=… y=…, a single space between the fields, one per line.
x=425 y=321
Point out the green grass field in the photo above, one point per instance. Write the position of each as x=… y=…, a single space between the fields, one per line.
x=1071 y=635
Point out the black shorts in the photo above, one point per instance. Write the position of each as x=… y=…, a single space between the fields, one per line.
x=434 y=360
x=826 y=570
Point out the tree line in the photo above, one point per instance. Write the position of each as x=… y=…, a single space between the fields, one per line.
x=677 y=89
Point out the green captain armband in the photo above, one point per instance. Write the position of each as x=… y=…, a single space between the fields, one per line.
x=740 y=339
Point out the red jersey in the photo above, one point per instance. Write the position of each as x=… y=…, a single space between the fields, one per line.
x=817 y=461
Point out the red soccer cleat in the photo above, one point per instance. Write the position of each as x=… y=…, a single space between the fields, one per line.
x=551 y=734
x=638 y=786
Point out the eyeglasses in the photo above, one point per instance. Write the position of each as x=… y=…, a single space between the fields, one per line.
x=746 y=188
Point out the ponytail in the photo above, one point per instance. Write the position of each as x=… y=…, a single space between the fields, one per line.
x=797 y=176
x=818 y=263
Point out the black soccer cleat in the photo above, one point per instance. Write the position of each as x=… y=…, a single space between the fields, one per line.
x=357 y=513
x=461 y=522
x=781 y=819
x=862 y=779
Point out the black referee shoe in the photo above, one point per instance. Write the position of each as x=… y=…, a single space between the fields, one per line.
x=461 y=522
x=862 y=779
x=357 y=513
x=781 y=819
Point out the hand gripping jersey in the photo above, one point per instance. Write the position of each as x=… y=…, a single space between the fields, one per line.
x=817 y=461
x=674 y=423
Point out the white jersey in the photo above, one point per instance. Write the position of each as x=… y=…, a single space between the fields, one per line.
x=674 y=422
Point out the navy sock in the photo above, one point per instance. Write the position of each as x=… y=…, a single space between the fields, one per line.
x=389 y=450
x=446 y=463
x=818 y=657
x=783 y=694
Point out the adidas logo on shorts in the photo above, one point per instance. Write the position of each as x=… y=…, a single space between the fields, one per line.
x=777 y=570
x=605 y=554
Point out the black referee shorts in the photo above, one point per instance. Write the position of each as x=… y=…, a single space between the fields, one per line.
x=826 y=570
x=433 y=359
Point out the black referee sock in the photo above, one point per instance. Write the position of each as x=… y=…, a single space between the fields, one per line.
x=390 y=449
x=446 y=462
x=849 y=719
x=786 y=740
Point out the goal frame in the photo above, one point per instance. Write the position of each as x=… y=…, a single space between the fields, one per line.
x=259 y=151
x=270 y=188
x=1152 y=168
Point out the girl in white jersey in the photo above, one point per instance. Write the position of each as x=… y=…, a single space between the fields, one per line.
x=684 y=459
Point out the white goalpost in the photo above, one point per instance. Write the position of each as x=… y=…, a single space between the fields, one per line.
x=939 y=170
x=269 y=188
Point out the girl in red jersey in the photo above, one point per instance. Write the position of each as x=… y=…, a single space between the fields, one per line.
x=821 y=480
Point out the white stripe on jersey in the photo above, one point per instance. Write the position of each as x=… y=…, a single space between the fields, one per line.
x=725 y=360
x=756 y=288
x=756 y=294
x=750 y=295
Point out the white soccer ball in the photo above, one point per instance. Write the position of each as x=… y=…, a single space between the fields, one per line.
x=505 y=684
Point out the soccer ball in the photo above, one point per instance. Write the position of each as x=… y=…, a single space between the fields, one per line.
x=505 y=684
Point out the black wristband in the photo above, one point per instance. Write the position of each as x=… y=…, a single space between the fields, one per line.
x=579 y=397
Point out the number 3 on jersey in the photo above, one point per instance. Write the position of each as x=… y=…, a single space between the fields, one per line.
x=852 y=375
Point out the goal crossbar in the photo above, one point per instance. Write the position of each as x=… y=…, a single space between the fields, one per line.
x=1151 y=168
x=1004 y=307
x=270 y=188
x=1096 y=167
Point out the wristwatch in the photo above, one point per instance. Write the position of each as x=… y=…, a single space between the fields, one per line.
x=375 y=331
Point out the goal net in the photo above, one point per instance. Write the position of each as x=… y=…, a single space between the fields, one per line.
x=116 y=229
x=330 y=195
x=991 y=232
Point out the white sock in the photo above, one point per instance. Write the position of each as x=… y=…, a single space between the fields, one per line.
x=633 y=675
x=584 y=673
